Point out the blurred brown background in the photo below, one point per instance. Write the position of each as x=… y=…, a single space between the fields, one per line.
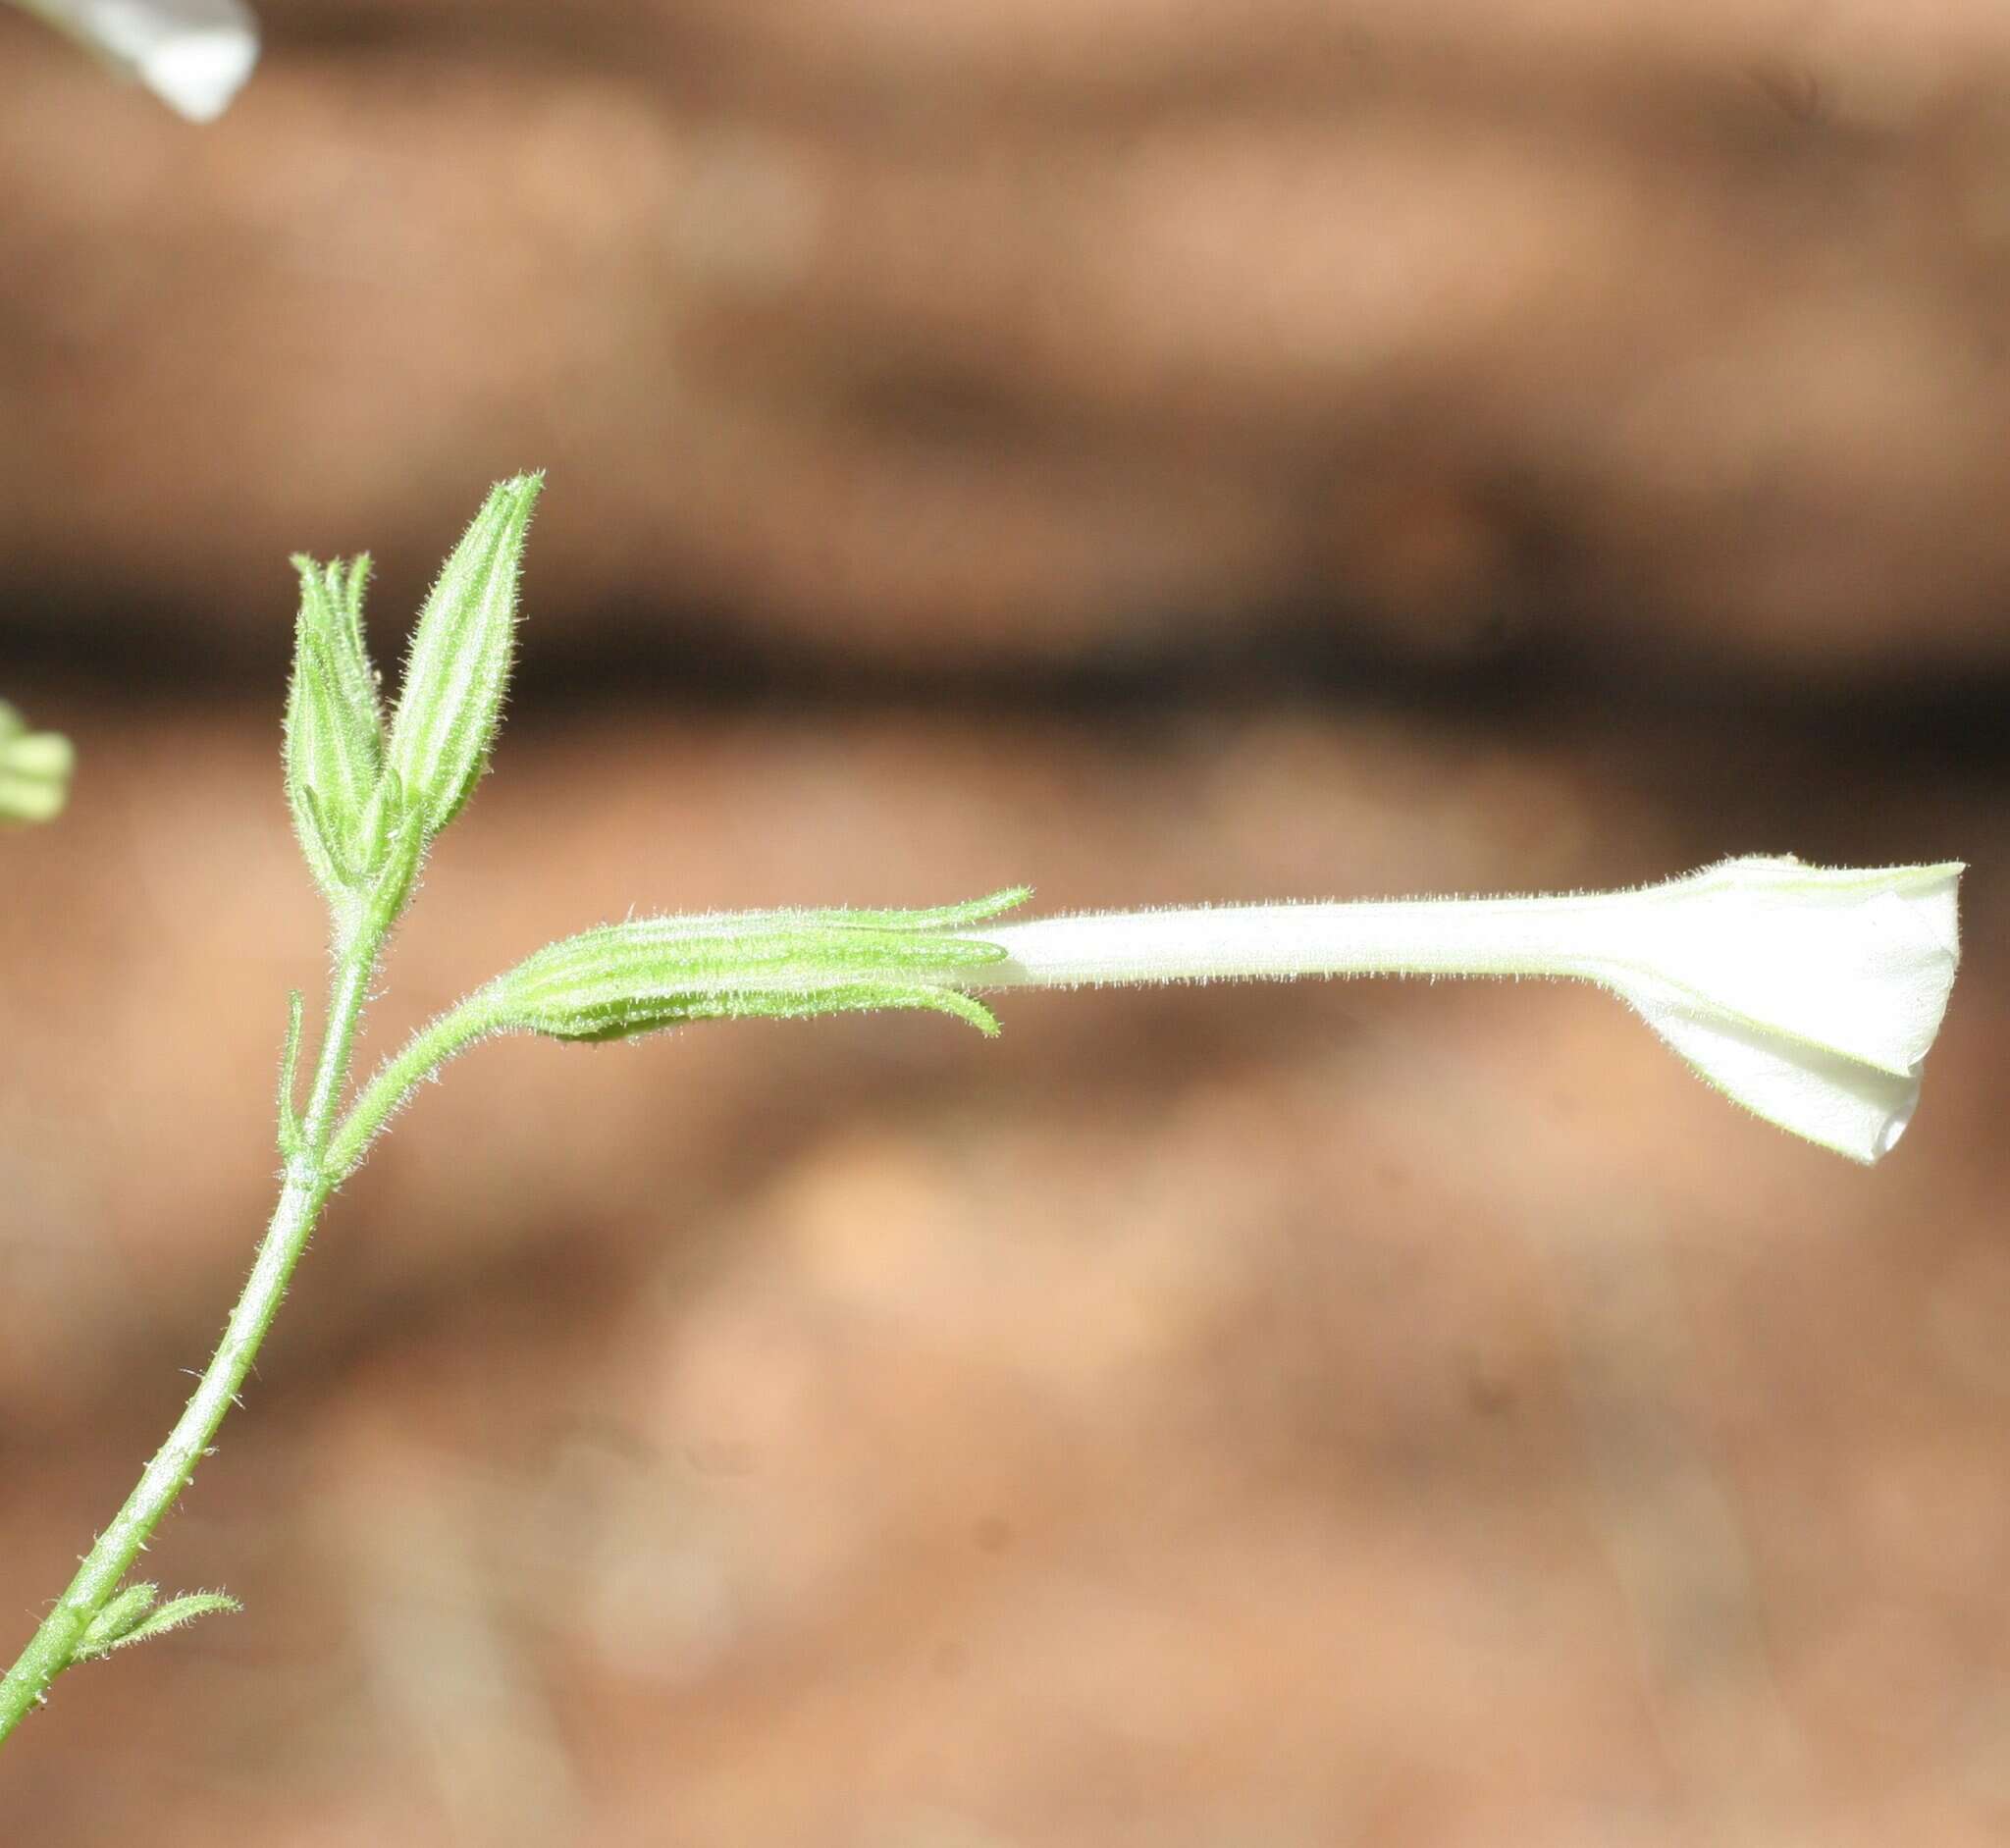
x=1164 y=451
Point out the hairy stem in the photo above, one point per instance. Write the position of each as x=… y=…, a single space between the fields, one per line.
x=308 y=1181
x=395 y=1079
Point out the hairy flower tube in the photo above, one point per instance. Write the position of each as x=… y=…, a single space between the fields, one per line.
x=1808 y=994
x=194 y=55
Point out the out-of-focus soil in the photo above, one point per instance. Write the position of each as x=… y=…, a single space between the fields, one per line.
x=966 y=331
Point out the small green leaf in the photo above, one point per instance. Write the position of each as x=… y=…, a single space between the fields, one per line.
x=126 y=1620
x=648 y=973
x=334 y=729
x=114 y=1620
x=458 y=668
x=178 y=1614
x=34 y=769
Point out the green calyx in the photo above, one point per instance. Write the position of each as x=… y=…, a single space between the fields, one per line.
x=625 y=980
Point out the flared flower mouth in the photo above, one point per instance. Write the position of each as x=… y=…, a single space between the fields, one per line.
x=194 y=55
x=1808 y=994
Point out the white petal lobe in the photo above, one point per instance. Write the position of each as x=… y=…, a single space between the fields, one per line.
x=192 y=54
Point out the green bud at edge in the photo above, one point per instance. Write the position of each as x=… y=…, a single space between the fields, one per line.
x=34 y=769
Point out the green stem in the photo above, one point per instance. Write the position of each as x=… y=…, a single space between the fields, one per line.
x=402 y=1074
x=309 y=1179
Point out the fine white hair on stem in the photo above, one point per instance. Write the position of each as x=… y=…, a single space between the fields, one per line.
x=1808 y=994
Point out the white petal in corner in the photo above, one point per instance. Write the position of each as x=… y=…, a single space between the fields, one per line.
x=1810 y=995
x=192 y=54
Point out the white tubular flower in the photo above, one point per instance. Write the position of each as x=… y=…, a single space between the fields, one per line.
x=1808 y=994
x=194 y=55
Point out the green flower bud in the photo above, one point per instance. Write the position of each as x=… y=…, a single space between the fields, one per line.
x=334 y=729
x=458 y=668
